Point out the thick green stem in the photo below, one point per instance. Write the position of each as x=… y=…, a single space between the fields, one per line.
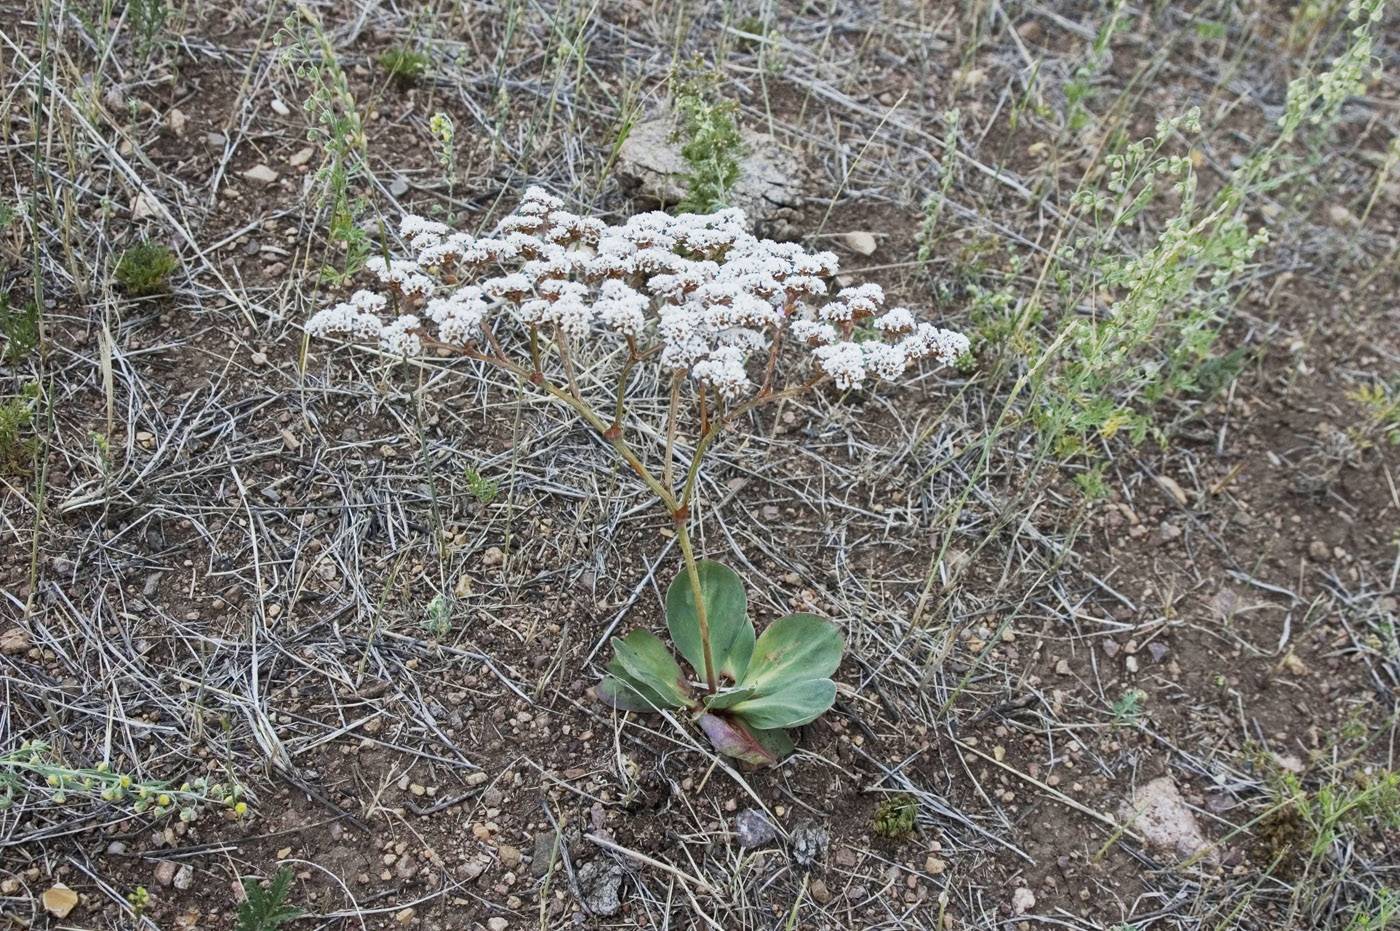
x=711 y=676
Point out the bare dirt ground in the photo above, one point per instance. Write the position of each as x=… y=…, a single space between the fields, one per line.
x=237 y=587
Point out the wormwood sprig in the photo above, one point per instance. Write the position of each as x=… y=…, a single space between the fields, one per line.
x=442 y=128
x=266 y=909
x=20 y=328
x=733 y=323
x=933 y=204
x=16 y=415
x=711 y=146
x=36 y=768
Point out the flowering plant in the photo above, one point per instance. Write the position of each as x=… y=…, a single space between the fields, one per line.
x=713 y=307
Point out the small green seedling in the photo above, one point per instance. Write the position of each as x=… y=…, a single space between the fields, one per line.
x=437 y=616
x=895 y=817
x=266 y=909
x=482 y=489
x=771 y=683
x=139 y=900
x=145 y=268
x=403 y=63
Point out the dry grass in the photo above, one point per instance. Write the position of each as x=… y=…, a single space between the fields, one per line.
x=238 y=583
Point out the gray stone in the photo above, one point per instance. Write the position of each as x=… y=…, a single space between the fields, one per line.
x=770 y=176
x=261 y=174
x=599 y=882
x=753 y=828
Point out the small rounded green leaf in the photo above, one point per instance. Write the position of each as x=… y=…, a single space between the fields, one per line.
x=793 y=649
x=792 y=706
x=733 y=737
x=648 y=662
x=726 y=612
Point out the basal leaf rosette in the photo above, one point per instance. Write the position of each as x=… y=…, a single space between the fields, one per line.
x=776 y=681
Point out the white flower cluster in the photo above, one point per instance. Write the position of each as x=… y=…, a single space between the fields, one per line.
x=715 y=296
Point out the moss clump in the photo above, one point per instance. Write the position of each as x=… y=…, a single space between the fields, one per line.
x=403 y=64
x=895 y=817
x=145 y=268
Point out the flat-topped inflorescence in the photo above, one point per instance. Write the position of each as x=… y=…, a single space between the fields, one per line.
x=713 y=300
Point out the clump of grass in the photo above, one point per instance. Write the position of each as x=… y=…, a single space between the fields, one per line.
x=145 y=268
x=20 y=327
x=712 y=145
x=404 y=64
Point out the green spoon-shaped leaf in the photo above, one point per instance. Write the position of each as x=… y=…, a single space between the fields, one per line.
x=727 y=699
x=647 y=662
x=791 y=706
x=726 y=612
x=624 y=695
x=793 y=649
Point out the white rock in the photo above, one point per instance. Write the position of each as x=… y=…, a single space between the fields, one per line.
x=261 y=174
x=301 y=156
x=1159 y=813
x=1022 y=900
x=860 y=241
x=144 y=207
x=280 y=108
x=175 y=119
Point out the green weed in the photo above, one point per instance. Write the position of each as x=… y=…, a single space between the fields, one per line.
x=20 y=327
x=1382 y=407
x=147 y=20
x=482 y=489
x=895 y=817
x=37 y=768
x=16 y=416
x=145 y=268
x=933 y=205
x=403 y=64
x=266 y=909
x=437 y=616
x=712 y=145
x=338 y=129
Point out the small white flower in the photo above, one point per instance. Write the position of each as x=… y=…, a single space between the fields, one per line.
x=813 y=332
x=724 y=371
x=884 y=360
x=396 y=337
x=422 y=233
x=622 y=308
x=514 y=286
x=896 y=320
x=844 y=362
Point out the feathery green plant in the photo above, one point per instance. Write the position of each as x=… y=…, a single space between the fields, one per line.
x=712 y=146
x=266 y=909
x=145 y=268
